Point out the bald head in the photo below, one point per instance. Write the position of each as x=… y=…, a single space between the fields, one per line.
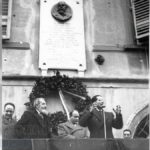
x=9 y=110
x=74 y=117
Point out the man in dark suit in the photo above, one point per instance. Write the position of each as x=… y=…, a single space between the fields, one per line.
x=8 y=121
x=34 y=123
x=99 y=122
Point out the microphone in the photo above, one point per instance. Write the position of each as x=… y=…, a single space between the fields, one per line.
x=100 y=107
x=103 y=107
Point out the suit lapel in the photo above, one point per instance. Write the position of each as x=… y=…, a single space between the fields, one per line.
x=39 y=119
x=98 y=115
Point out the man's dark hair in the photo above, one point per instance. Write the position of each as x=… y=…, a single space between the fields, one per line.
x=94 y=98
x=9 y=104
x=127 y=130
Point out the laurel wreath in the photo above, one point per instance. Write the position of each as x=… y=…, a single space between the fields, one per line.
x=44 y=85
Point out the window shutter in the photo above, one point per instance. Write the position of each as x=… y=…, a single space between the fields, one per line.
x=6 y=18
x=140 y=9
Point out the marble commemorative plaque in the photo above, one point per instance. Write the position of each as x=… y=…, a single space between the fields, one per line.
x=62 y=43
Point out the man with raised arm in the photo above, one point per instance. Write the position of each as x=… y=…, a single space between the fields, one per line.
x=99 y=122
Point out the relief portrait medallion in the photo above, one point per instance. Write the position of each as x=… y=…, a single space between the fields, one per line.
x=61 y=11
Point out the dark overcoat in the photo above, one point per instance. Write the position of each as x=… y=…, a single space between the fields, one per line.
x=8 y=128
x=95 y=122
x=32 y=125
x=68 y=130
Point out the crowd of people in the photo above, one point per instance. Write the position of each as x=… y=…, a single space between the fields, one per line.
x=34 y=123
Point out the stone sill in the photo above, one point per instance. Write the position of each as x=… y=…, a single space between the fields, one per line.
x=97 y=48
x=16 y=45
x=88 y=79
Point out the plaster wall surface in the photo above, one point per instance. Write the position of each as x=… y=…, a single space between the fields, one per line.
x=111 y=22
x=107 y=23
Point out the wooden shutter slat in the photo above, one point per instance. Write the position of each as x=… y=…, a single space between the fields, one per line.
x=142 y=27
x=142 y=32
x=142 y=17
x=140 y=4
x=141 y=8
x=143 y=35
x=142 y=20
x=142 y=24
x=142 y=12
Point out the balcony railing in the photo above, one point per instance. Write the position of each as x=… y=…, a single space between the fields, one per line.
x=80 y=144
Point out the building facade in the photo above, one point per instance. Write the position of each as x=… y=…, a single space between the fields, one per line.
x=110 y=33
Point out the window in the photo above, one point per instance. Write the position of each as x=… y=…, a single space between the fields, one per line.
x=140 y=9
x=142 y=129
x=6 y=18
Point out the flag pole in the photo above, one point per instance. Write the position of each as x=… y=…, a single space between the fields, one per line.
x=73 y=94
x=63 y=103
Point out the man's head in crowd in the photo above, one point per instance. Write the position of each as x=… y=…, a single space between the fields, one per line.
x=40 y=104
x=74 y=117
x=9 y=109
x=98 y=101
x=127 y=134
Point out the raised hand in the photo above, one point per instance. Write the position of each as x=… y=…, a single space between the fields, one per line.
x=94 y=105
x=117 y=110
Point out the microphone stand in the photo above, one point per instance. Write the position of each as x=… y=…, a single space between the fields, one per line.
x=105 y=135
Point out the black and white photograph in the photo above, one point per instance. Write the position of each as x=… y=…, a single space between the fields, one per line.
x=75 y=75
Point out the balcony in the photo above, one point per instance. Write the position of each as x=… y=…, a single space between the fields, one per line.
x=80 y=144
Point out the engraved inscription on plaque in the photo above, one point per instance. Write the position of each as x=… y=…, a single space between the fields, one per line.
x=62 y=45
